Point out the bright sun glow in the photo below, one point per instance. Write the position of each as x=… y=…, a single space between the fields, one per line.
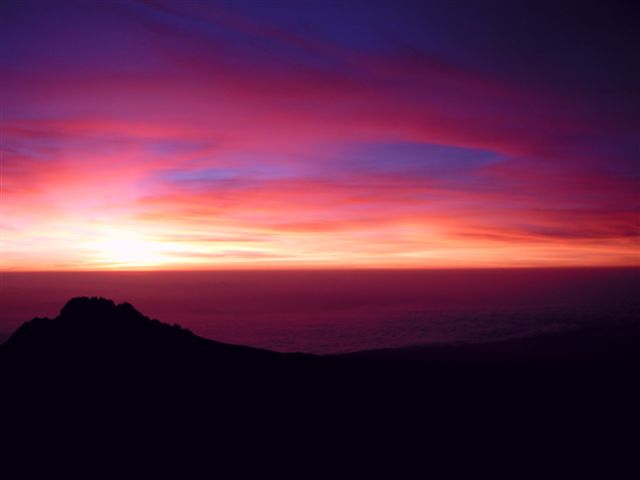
x=128 y=250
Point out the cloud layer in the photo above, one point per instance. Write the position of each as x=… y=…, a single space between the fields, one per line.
x=160 y=134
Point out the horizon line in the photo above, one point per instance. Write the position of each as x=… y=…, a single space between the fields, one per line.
x=332 y=268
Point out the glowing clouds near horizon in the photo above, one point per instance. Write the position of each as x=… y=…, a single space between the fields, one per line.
x=194 y=135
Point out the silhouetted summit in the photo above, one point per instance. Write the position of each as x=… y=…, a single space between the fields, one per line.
x=94 y=308
x=90 y=331
x=93 y=319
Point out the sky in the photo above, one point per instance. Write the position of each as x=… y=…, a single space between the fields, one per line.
x=311 y=134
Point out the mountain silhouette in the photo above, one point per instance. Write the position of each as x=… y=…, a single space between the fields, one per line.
x=96 y=330
x=103 y=388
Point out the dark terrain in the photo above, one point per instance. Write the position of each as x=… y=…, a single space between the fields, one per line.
x=103 y=390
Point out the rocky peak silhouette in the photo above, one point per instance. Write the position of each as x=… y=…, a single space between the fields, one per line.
x=95 y=332
x=93 y=321
x=99 y=312
x=88 y=305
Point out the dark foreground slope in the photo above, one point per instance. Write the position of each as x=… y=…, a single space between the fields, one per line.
x=102 y=389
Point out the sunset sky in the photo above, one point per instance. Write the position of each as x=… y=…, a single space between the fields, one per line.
x=253 y=134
